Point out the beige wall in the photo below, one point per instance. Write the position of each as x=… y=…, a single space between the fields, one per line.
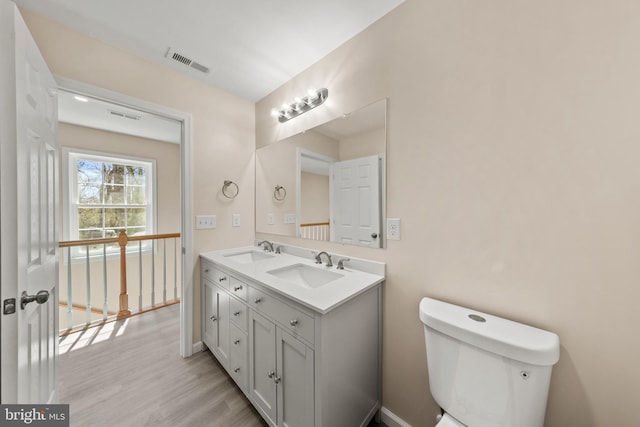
x=222 y=127
x=513 y=163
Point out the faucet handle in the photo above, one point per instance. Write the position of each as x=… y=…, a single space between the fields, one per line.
x=341 y=262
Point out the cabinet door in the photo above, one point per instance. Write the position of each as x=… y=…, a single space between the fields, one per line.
x=295 y=381
x=262 y=365
x=208 y=325
x=216 y=330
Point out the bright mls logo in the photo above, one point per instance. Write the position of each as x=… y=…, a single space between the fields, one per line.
x=34 y=415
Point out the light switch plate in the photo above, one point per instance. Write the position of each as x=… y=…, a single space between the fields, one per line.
x=235 y=220
x=271 y=219
x=204 y=222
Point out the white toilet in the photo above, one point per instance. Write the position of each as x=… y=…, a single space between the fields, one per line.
x=485 y=371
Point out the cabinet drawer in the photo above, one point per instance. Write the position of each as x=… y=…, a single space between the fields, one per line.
x=214 y=275
x=238 y=313
x=238 y=288
x=239 y=357
x=290 y=318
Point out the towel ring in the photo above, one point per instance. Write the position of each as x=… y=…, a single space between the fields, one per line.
x=280 y=193
x=230 y=194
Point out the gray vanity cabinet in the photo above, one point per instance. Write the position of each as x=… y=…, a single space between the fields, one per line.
x=298 y=367
x=281 y=376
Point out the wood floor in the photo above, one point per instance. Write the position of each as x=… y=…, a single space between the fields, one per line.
x=130 y=373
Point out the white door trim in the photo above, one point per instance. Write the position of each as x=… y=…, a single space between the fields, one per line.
x=186 y=301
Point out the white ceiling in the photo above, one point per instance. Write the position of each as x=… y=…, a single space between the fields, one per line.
x=251 y=46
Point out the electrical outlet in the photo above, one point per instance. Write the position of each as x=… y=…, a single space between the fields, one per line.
x=204 y=222
x=290 y=218
x=271 y=219
x=393 y=228
x=235 y=220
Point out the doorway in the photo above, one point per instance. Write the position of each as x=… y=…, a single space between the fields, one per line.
x=121 y=107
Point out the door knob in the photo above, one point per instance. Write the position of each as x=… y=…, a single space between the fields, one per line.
x=374 y=235
x=41 y=297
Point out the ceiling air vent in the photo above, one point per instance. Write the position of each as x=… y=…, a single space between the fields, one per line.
x=124 y=115
x=185 y=60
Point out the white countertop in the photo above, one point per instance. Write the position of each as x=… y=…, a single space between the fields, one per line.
x=321 y=299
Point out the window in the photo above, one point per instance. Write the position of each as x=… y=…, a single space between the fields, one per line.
x=107 y=194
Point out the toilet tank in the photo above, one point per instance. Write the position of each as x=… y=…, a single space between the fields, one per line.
x=484 y=370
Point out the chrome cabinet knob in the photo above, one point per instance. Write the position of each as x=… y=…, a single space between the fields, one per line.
x=236 y=370
x=257 y=300
x=237 y=313
x=206 y=270
x=213 y=318
x=236 y=342
x=277 y=380
x=222 y=279
x=270 y=374
x=293 y=322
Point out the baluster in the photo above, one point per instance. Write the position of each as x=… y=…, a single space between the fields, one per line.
x=140 y=271
x=105 y=305
x=175 y=269
x=69 y=291
x=88 y=285
x=153 y=273
x=164 y=271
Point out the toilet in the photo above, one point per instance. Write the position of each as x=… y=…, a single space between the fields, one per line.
x=486 y=371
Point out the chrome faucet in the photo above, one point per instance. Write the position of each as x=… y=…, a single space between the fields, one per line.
x=268 y=246
x=319 y=259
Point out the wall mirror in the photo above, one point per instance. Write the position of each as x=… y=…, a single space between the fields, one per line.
x=328 y=182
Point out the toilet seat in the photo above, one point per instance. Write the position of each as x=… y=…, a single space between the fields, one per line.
x=448 y=421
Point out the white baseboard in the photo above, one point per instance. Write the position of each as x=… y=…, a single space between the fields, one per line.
x=391 y=419
x=197 y=347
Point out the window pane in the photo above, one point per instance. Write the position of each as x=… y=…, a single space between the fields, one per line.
x=90 y=218
x=136 y=231
x=89 y=171
x=93 y=233
x=136 y=196
x=114 y=194
x=114 y=218
x=113 y=173
x=89 y=194
x=137 y=217
x=136 y=175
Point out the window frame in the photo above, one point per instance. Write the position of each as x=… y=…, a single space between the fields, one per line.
x=70 y=194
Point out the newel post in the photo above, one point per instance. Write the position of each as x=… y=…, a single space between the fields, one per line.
x=124 y=297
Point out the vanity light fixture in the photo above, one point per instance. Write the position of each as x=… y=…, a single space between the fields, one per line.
x=300 y=105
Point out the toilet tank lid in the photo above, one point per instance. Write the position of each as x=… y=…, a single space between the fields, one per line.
x=491 y=333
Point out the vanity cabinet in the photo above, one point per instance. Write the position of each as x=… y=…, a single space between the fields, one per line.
x=297 y=366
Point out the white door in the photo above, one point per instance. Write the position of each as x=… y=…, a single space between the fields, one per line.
x=28 y=215
x=356 y=206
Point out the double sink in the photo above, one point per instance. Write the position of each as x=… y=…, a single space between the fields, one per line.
x=298 y=274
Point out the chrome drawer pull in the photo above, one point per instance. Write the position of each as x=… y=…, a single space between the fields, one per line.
x=237 y=288
x=236 y=370
x=213 y=318
x=222 y=279
x=257 y=300
x=236 y=342
x=237 y=313
x=293 y=322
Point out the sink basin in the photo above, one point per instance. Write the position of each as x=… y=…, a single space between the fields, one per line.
x=305 y=275
x=248 y=256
